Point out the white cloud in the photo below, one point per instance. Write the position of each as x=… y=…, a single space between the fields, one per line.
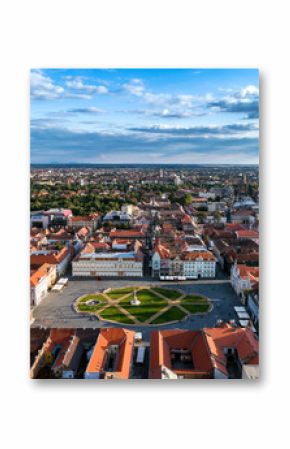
x=164 y=104
x=184 y=100
x=102 y=89
x=42 y=87
x=239 y=130
x=135 y=87
x=249 y=91
x=77 y=96
x=244 y=101
x=78 y=84
x=90 y=110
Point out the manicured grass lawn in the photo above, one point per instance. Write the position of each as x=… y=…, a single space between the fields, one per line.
x=147 y=297
x=143 y=312
x=196 y=308
x=118 y=293
x=95 y=296
x=150 y=304
x=170 y=294
x=113 y=314
x=89 y=308
x=193 y=299
x=173 y=314
x=83 y=307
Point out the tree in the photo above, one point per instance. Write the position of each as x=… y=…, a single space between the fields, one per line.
x=201 y=217
x=184 y=200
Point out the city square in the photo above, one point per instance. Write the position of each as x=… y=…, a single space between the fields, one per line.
x=58 y=308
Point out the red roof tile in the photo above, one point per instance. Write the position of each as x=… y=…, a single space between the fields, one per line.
x=113 y=336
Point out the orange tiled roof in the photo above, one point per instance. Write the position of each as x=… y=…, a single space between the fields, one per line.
x=207 y=349
x=52 y=258
x=121 y=242
x=248 y=272
x=163 y=252
x=126 y=233
x=113 y=336
x=60 y=334
x=242 y=339
x=247 y=233
x=90 y=247
x=234 y=227
x=167 y=226
x=186 y=219
x=100 y=245
x=38 y=274
x=162 y=342
x=64 y=338
x=204 y=255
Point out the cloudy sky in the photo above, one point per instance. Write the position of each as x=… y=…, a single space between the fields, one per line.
x=144 y=116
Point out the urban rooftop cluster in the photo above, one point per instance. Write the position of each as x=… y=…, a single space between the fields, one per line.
x=223 y=352
x=98 y=231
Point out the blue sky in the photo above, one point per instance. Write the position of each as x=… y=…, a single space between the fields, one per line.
x=144 y=116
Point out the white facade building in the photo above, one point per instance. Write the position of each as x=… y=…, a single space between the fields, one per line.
x=38 y=291
x=127 y=209
x=199 y=268
x=239 y=283
x=111 y=264
x=177 y=180
x=190 y=265
x=243 y=277
x=83 y=222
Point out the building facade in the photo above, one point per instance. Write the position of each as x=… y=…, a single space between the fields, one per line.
x=243 y=278
x=110 y=264
x=78 y=222
x=191 y=265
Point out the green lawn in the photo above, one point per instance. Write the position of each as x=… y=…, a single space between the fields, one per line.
x=150 y=304
x=193 y=299
x=83 y=307
x=89 y=308
x=95 y=296
x=173 y=314
x=147 y=297
x=170 y=294
x=118 y=293
x=113 y=314
x=143 y=313
x=196 y=308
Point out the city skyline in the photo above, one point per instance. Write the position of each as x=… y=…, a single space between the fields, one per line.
x=153 y=116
